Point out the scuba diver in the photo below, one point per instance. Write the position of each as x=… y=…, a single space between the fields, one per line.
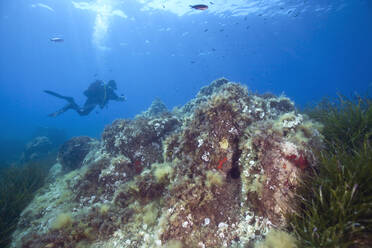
x=98 y=93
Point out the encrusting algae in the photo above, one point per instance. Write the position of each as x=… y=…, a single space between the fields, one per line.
x=221 y=171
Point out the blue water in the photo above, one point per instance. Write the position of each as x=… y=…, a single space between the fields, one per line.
x=165 y=49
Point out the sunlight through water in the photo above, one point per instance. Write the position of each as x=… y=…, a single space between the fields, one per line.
x=105 y=10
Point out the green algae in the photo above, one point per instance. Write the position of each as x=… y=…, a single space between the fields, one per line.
x=337 y=208
x=277 y=239
x=18 y=186
x=347 y=121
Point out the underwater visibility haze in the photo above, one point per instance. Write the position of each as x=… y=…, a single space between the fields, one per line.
x=141 y=87
x=165 y=49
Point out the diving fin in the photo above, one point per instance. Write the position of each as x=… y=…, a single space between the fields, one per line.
x=67 y=98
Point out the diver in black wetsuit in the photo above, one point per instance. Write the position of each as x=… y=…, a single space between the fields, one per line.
x=98 y=93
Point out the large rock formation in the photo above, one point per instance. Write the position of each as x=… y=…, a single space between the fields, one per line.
x=219 y=172
x=37 y=148
x=72 y=152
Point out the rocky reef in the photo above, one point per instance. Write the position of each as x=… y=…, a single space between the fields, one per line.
x=44 y=143
x=38 y=147
x=221 y=171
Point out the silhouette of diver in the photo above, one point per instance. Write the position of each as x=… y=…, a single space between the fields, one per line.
x=98 y=93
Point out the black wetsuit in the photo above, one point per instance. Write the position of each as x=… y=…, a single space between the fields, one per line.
x=97 y=93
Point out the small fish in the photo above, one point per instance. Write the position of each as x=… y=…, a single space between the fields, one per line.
x=206 y=30
x=199 y=6
x=56 y=39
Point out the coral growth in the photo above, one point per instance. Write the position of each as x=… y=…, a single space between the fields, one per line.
x=140 y=139
x=220 y=171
